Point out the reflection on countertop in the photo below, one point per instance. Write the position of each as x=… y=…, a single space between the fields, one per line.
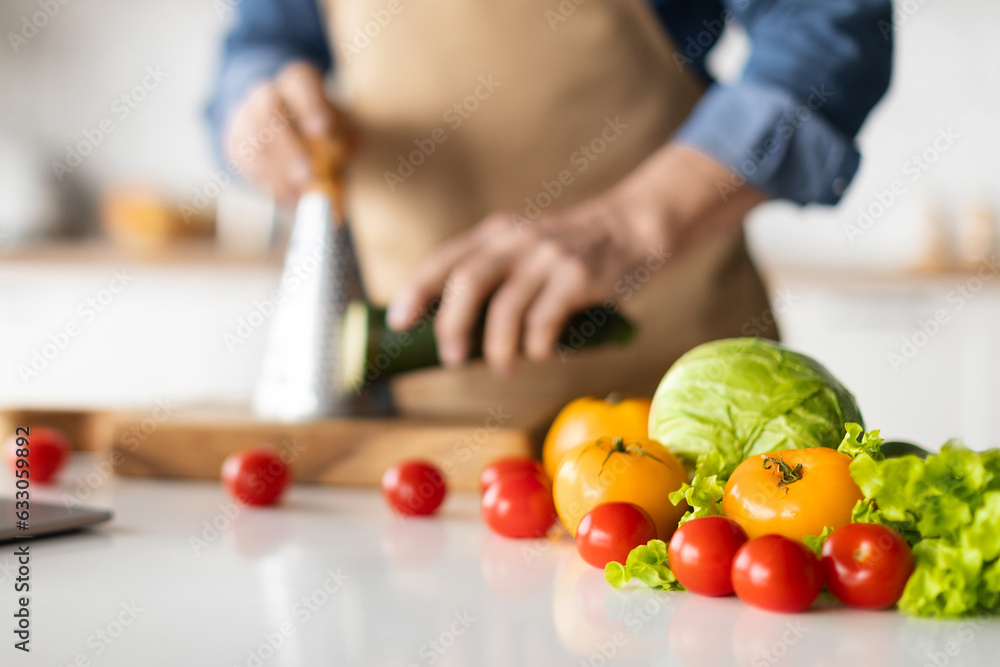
x=333 y=577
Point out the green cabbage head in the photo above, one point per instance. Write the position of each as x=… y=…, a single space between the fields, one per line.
x=745 y=396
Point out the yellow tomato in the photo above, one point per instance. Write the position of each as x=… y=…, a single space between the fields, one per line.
x=587 y=419
x=638 y=471
x=794 y=492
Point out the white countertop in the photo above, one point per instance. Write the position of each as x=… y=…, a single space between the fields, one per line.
x=333 y=578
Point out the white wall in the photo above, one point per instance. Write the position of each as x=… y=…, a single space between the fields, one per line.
x=67 y=77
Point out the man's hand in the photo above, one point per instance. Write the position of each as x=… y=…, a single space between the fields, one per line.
x=536 y=274
x=267 y=135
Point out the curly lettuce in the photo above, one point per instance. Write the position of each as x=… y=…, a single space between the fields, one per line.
x=703 y=493
x=948 y=507
x=648 y=564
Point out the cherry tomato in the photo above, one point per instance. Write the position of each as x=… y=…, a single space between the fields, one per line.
x=701 y=554
x=414 y=488
x=45 y=453
x=519 y=505
x=503 y=467
x=777 y=574
x=255 y=476
x=611 y=530
x=866 y=565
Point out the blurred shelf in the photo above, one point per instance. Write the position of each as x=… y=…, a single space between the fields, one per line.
x=853 y=278
x=101 y=251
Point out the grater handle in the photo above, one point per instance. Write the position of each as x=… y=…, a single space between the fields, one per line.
x=328 y=156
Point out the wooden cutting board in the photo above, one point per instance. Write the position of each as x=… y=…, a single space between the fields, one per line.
x=193 y=444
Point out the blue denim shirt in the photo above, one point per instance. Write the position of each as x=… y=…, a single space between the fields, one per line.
x=787 y=126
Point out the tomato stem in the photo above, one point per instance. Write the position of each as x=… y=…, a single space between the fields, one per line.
x=618 y=446
x=789 y=475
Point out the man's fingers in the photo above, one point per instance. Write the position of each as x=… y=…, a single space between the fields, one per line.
x=286 y=155
x=301 y=86
x=506 y=314
x=562 y=295
x=475 y=280
x=263 y=142
x=428 y=282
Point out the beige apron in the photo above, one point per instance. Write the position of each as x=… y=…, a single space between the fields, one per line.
x=467 y=107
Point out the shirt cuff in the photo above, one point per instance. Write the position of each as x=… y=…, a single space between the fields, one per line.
x=777 y=143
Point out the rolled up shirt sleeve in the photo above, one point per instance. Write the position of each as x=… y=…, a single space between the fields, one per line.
x=264 y=36
x=788 y=125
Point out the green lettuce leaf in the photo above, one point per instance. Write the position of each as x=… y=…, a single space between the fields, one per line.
x=647 y=563
x=815 y=542
x=857 y=442
x=704 y=493
x=945 y=582
x=948 y=507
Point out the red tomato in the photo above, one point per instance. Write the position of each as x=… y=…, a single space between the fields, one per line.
x=777 y=574
x=507 y=466
x=519 y=505
x=46 y=451
x=866 y=565
x=414 y=488
x=255 y=476
x=701 y=554
x=611 y=530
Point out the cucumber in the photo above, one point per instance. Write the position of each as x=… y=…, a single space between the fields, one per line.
x=373 y=351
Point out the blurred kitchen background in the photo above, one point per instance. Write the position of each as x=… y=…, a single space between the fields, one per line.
x=126 y=266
